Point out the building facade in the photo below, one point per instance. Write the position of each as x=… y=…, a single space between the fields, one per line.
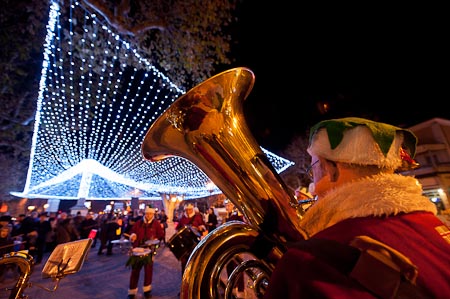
x=433 y=155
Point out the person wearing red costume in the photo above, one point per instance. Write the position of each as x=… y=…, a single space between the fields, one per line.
x=143 y=231
x=195 y=222
x=370 y=233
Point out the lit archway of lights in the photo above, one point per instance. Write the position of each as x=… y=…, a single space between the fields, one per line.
x=91 y=120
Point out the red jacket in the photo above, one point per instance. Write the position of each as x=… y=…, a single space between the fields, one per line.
x=146 y=231
x=401 y=218
x=195 y=221
x=300 y=274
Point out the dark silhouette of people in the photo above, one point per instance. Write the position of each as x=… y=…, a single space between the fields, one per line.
x=162 y=217
x=6 y=246
x=108 y=233
x=43 y=227
x=26 y=229
x=86 y=225
x=65 y=229
x=211 y=220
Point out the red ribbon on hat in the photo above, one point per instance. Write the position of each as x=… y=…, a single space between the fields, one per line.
x=410 y=163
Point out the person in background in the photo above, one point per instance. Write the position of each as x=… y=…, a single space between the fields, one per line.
x=232 y=212
x=367 y=216
x=201 y=229
x=6 y=220
x=43 y=228
x=146 y=229
x=162 y=217
x=130 y=222
x=17 y=225
x=17 y=233
x=50 y=238
x=114 y=231
x=193 y=220
x=102 y=234
x=108 y=233
x=6 y=241
x=65 y=229
x=26 y=228
x=176 y=216
x=77 y=219
x=211 y=219
x=6 y=246
x=87 y=225
x=101 y=219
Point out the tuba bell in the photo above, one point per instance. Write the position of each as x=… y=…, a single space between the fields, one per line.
x=207 y=126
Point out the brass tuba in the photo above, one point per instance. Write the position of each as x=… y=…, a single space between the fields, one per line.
x=207 y=126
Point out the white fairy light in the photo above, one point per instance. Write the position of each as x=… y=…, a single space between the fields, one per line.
x=90 y=123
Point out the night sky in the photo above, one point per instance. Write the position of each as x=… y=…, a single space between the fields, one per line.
x=385 y=63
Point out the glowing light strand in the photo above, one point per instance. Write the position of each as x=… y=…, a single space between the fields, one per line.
x=90 y=122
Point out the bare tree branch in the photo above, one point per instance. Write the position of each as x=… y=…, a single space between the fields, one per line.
x=118 y=20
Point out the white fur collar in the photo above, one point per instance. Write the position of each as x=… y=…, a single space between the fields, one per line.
x=148 y=220
x=189 y=215
x=380 y=195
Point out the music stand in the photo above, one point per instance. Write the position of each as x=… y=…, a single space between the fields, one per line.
x=66 y=258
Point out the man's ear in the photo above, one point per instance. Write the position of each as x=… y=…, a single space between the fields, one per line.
x=332 y=169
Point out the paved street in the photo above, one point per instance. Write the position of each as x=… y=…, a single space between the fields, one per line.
x=106 y=277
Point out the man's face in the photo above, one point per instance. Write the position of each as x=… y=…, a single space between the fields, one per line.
x=189 y=210
x=4 y=232
x=149 y=215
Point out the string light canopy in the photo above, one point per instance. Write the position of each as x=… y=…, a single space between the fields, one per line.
x=93 y=113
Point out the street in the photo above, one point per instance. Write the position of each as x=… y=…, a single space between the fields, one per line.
x=103 y=276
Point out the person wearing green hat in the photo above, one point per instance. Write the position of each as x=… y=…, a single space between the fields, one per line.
x=370 y=233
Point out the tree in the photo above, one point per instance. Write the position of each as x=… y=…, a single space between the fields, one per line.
x=296 y=176
x=189 y=40
x=22 y=32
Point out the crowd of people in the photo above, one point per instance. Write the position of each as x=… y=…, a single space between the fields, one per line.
x=37 y=233
x=40 y=233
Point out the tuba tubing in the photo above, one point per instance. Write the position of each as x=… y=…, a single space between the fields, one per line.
x=206 y=126
x=24 y=261
x=210 y=256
